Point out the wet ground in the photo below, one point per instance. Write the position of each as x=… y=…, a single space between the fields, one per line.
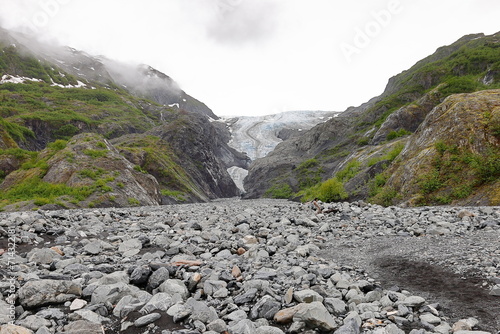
x=434 y=268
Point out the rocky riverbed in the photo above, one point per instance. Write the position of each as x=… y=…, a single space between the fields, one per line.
x=244 y=267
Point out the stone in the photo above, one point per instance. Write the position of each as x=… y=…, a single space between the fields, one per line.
x=269 y=330
x=44 y=292
x=245 y=297
x=77 y=304
x=495 y=290
x=161 y=302
x=244 y=326
x=34 y=322
x=174 y=286
x=5 y=312
x=307 y=296
x=265 y=308
x=91 y=316
x=413 y=301
x=93 y=247
x=13 y=329
x=430 y=318
x=335 y=306
x=112 y=293
x=158 y=277
x=140 y=275
x=43 y=256
x=126 y=305
x=286 y=315
x=200 y=311
x=211 y=286
x=147 y=319
x=218 y=326
x=315 y=314
x=130 y=247
x=82 y=327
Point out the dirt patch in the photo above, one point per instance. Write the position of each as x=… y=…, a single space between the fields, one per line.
x=460 y=296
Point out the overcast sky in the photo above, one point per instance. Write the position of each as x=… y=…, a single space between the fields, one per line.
x=257 y=57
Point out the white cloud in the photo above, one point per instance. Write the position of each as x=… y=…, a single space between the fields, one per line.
x=260 y=56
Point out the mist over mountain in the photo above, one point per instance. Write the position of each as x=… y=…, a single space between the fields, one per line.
x=172 y=150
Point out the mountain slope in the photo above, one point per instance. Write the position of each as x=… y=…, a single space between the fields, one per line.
x=50 y=95
x=355 y=148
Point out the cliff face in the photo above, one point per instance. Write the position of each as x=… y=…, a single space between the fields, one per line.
x=454 y=156
x=360 y=145
x=53 y=95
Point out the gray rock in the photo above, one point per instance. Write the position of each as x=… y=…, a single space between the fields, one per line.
x=130 y=247
x=93 y=247
x=45 y=292
x=315 y=315
x=76 y=269
x=140 y=275
x=495 y=290
x=82 y=327
x=200 y=311
x=413 y=301
x=335 y=306
x=126 y=305
x=34 y=322
x=244 y=326
x=5 y=312
x=160 y=301
x=51 y=313
x=91 y=316
x=211 y=286
x=217 y=326
x=112 y=293
x=307 y=296
x=147 y=319
x=430 y=318
x=265 y=308
x=44 y=256
x=245 y=297
x=269 y=330
x=158 y=277
x=174 y=286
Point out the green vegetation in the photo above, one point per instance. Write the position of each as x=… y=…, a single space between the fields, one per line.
x=349 y=171
x=309 y=173
x=456 y=172
x=389 y=157
x=15 y=131
x=133 y=201
x=95 y=153
x=283 y=191
x=177 y=195
x=460 y=71
x=397 y=134
x=15 y=63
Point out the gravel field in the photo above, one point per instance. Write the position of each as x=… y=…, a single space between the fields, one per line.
x=257 y=266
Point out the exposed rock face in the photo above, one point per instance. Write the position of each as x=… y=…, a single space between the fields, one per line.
x=464 y=122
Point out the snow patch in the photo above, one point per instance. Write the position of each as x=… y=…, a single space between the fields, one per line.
x=16 y=79
x=174 y=105
x=79 y=84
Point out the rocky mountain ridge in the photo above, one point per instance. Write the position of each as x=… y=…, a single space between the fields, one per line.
x=350 y=156
x=52 y=94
